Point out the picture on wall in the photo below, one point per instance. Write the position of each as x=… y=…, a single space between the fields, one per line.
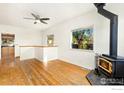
x=82 y=38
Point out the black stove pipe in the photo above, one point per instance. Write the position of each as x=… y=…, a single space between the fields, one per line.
x=113 y=28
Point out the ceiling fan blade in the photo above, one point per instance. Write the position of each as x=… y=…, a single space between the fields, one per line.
x=45 y=18
x=29 y=18
x=36 y=17
x=43 y=21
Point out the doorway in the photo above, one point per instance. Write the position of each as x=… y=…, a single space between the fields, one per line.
x=7 y=48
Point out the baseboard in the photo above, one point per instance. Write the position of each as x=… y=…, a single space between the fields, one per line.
x=47 y=61
x=17 y=57
x=56 y=60
x=28 y=59
x=73 y=64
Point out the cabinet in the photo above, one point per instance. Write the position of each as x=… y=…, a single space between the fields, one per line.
x=7 y=54
x=7 y=48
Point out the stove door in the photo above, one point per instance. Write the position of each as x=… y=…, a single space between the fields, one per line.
x=105 y=65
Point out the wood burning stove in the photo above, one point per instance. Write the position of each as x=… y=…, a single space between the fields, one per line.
x=111 y=65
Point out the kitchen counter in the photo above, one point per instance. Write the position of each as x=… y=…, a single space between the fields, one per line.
x=35 y=46
x=42 y=53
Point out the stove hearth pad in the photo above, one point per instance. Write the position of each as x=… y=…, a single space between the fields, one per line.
x=100 y=79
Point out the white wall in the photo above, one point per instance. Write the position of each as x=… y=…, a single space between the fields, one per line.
x=83 y=58
x=23 y=36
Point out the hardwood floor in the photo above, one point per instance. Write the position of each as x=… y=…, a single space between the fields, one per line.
x=34 y=72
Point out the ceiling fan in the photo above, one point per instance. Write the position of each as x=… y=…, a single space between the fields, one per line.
x=38 y=19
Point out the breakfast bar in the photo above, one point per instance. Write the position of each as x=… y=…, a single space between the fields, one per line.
x=41 y=53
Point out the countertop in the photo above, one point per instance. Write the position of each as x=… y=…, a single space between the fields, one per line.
x=36 y=46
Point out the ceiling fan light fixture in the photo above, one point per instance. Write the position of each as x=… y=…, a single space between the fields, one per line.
x=35 y=22
x=38 y=21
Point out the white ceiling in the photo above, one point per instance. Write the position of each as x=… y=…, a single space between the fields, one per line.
x=13 y=14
